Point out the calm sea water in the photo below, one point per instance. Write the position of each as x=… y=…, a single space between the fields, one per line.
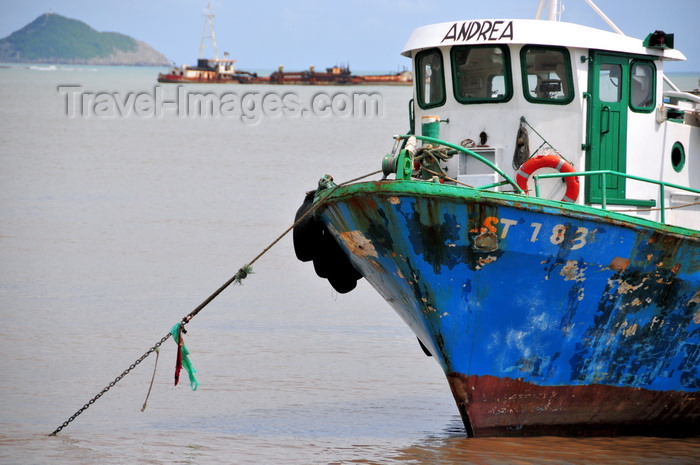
x=116 y=220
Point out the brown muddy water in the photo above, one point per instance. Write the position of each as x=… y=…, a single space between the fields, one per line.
x=117 y=221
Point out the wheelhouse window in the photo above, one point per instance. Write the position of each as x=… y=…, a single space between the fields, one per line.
x=430 y=82
x=546 y=74
x=643 y=74
x=481 y=74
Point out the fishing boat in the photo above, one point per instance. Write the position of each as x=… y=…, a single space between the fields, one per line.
x=537 y=227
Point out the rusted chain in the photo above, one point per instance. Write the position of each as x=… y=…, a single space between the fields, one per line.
x=240 y=275
x=110 y=385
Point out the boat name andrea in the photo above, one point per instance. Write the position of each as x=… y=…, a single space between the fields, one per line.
x=480 y=31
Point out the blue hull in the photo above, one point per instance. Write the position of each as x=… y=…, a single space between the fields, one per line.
x=546 y=318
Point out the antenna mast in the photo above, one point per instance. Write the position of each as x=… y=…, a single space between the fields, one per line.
x=208 y=23
x=604 y=17
x=555 y=10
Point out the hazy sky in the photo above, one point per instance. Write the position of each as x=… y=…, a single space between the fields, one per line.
x=367 y=34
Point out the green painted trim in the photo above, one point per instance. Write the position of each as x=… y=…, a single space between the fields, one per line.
x=632 y=202
x=507 y=75
x=606 y=130
x=419 y=79
x=617 y=201
x=466 y=194
x=526 y=84
x=630 y=176
x=649 y=108
x=678 y=167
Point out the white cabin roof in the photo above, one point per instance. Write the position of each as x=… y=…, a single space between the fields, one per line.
x=528 y=31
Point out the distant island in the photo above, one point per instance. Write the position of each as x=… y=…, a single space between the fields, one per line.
x=55 y=39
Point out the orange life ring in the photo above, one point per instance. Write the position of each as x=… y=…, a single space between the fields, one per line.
x=549 y=161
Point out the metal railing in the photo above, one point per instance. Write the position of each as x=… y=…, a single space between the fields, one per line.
x=459 y=148
x=604 y=173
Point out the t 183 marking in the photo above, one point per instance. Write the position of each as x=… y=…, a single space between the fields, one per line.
x=556 y=236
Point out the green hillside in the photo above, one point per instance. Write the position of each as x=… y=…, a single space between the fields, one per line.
x=52 y=38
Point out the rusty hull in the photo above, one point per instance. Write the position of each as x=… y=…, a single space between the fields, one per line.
x=547 y=318
x=492 y=406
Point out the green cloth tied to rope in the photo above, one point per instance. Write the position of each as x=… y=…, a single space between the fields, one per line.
x=242 y=274
x=183 y=359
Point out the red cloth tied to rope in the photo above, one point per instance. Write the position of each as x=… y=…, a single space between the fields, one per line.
x=183 y=359
x=178 y=359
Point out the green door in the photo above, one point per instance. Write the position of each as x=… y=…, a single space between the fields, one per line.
x=607 y=125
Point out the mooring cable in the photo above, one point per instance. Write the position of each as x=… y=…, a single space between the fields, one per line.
x=240 y=275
